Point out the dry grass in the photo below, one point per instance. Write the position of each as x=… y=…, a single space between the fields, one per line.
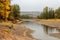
x=49 y=20
x=55 y=23
x=5 y=33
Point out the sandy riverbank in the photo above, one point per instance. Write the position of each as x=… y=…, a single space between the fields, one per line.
x=55 y=23
x=19 y=32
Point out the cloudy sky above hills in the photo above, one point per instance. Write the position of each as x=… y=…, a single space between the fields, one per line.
x=36 y=5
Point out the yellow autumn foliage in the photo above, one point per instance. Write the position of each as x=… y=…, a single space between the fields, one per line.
x=5 y=8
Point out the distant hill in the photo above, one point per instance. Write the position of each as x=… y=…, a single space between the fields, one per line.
x=32 y=13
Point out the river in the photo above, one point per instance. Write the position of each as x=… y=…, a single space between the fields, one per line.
x=40 y=31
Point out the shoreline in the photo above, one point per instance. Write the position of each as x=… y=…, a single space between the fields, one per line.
x=25 y=33
x=50 y=23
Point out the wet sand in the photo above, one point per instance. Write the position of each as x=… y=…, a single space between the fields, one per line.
x=55 y=35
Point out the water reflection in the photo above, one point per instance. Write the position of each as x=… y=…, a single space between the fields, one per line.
x=41 y=32
x=50 y=30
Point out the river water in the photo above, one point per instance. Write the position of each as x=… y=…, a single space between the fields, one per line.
x=40 y=31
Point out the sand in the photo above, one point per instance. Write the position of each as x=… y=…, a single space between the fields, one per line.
x=55 y=35
x=55 y=23
x=18 y=32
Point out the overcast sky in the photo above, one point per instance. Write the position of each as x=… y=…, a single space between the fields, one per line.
x=36 y=5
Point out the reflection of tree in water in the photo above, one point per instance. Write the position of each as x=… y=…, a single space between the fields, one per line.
x=46 y=29
x=59 y=30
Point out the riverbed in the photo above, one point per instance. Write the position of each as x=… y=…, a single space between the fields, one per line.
x=40 y=31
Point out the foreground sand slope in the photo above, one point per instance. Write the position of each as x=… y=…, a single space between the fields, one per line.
x=18 y=32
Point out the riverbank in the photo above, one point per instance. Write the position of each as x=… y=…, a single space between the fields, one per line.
x=18 y=32
x=53 y=23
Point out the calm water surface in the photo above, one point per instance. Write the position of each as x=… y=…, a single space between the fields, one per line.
x=40 y=31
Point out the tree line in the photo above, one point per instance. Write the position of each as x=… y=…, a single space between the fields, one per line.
x=14 y=13
x=49 y=13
